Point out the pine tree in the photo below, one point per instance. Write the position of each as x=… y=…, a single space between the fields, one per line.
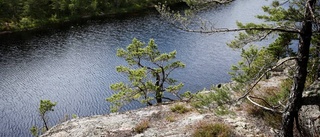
x=148 y=71
x=289 y=20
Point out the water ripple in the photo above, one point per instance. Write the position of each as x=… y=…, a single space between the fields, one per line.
x=75 y=67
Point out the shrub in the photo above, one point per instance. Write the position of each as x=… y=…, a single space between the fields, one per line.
x=270 y=118
x=179 y=108
x=222 y=110
x=26 y=23
x=218 y=98
x=212 y=130
x=170 y=118
x=273 y=96
x=142 y=126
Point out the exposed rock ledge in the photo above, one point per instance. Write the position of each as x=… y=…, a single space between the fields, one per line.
x=122 y=124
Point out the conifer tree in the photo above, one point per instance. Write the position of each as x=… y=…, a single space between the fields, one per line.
x=288 y=20
x=148 y=72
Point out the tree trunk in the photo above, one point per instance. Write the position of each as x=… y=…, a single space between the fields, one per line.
x=45 y=122
x=158 y=90
x=158 y=96
x=317 y=61
x=295 y=99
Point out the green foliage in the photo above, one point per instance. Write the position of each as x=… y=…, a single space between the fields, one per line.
x=148 y=72
x=54 y=18
x=216 y=99
x=187 y=95
x=223 y=110
x=44 y=12
x=26 y=23
x=251 y=65
x=170 y=118
x=270 y=118
x=280 y=47
x=254 y=63
x=248 y=36
x=205 y=129
x=314 y=61
x=191 y=2
x=273 y=96
x=34 y=131
x=74 y=116
x=179 y=108
x=44 y=107
x=287 y=17
x=244 y=71
x=282 y=16
x=284 y=21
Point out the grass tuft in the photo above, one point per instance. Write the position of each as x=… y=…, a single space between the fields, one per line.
x=179 y=108
x=142 y=126
x=170 y=118
x=273 y=96
x=204 y=129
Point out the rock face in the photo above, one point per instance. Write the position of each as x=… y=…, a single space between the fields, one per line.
x=310 y=121
x=123 y=124
x=162 y=123
x=309 y=116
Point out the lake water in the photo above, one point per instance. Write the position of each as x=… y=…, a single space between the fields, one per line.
x=76 y=65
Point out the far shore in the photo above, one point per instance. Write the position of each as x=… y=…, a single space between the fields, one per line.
x=72 y=21
x=90 y=17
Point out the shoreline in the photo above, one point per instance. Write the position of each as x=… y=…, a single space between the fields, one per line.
x=75 y=20
x=114 y=14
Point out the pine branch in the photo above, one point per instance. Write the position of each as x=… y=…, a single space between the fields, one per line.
x=278 y=29
x=219 y=30
x=260 y=78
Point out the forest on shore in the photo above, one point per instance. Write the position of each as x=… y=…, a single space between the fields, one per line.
x=20 y=15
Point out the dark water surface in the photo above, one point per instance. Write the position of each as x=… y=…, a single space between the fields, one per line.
x=75 y=66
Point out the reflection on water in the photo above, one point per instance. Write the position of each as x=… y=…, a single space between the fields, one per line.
x=75 y=67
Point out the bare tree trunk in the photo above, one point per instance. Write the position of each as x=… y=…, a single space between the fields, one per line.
x=295 y=99
x=45 y=122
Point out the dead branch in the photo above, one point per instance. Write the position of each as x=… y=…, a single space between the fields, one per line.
x=263 y=100
x=260 y=78
x=263 y=107
x=313 y=16
x=281 y=104
x=220 y=30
